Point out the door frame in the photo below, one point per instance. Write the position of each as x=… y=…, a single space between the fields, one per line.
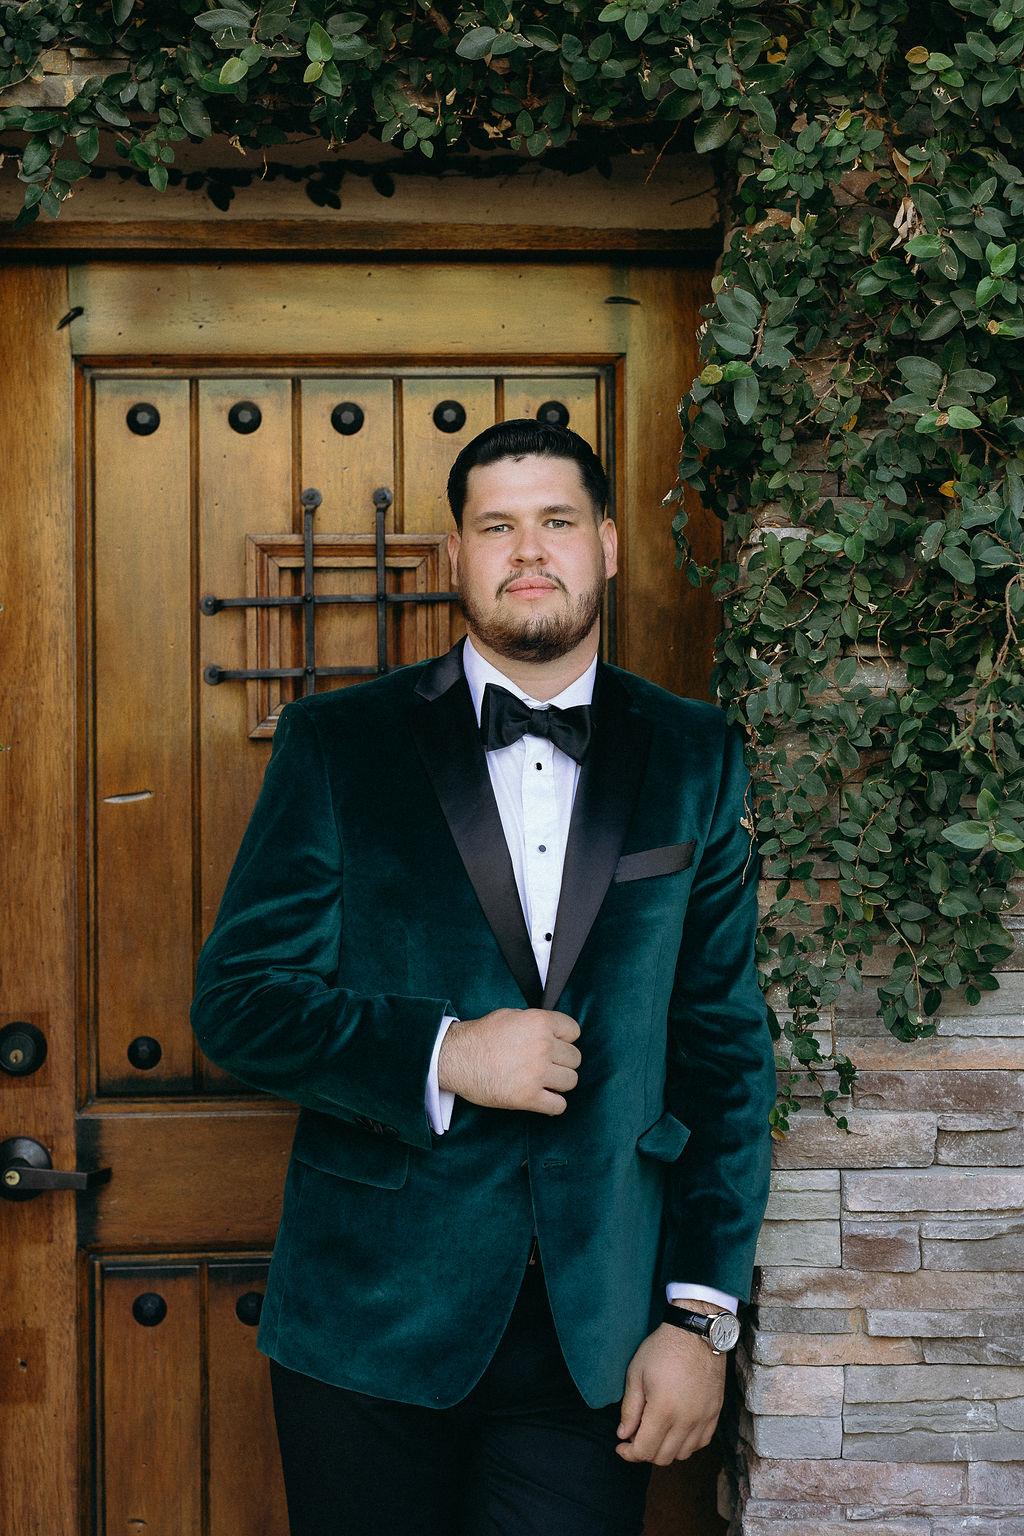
x=43 y=1376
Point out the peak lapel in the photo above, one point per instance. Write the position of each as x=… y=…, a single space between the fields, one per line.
x=443 y=725
x=607 y=793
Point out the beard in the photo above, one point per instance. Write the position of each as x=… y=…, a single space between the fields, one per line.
x=546 y=637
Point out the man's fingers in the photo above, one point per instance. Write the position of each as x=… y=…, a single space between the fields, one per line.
x=563 y=1027
x=561 y=1079
x=632 y=1408
x=548 y=1103
x=564 y=1054
x=648 y=1437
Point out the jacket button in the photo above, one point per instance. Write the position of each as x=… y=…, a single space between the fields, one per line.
x=365 y=1123
x=389 y=1132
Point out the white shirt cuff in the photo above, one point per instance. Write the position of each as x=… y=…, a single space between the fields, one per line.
x=439 y=1101
x=678 y=1291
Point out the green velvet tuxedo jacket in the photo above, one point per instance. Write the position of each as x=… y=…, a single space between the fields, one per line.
x=373 y=893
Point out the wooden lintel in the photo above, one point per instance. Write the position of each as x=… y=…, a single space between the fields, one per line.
x=302 y=236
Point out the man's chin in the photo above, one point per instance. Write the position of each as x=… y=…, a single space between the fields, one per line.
x=537 y=640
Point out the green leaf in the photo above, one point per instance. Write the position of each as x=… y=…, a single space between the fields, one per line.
x=233 y=70
x=739 y=306
x=88 y=143
x=319 y=44
x=636 y=24
x=36 y=154
x=714 y=130
x=988 y=289
x=1001 y=261
x=922 y=374
x=745 y=391
x=110 y=113
x=958 y=565
x=734 y=338
x=476 y=44
x=996 y=91
x=924 y=247
x=676 y=105
x=158 y=177
x=238 y=16
x=121 y=9
x=274 y=17
x=542 y=38
x=987 y=806
x=995 y=556
x=942 y=319
x=970 y=835
x=194 y=117
x=961 y=418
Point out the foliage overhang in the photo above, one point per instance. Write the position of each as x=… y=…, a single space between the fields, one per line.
x=856 y=423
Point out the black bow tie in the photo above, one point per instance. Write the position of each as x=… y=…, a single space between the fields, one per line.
x=504 y=719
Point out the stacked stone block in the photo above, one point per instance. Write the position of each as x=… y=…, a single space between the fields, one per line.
x=881 y=1375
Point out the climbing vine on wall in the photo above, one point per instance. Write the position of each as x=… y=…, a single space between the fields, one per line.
x=856 y=423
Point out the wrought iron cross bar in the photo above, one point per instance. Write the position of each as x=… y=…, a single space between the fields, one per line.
x=310 y=600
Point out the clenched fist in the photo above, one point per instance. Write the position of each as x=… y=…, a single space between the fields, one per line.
x=513 y=1058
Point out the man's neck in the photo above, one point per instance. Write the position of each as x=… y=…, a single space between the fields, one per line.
x=542 y=680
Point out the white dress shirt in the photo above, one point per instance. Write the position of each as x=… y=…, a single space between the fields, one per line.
x=534 y=784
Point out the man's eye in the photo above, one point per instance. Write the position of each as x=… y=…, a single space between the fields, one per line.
x=496 y=528
x=559 y=522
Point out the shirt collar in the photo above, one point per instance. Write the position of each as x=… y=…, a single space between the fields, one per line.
x=479 y=673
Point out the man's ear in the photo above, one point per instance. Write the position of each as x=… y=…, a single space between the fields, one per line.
x=609 y=536
x=454 y=545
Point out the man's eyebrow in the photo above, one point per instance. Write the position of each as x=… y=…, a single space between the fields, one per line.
x=557 y=509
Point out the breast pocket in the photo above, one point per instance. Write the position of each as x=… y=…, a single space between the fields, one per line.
x=650 y=862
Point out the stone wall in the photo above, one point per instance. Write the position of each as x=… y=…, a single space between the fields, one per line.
x=881 y=1376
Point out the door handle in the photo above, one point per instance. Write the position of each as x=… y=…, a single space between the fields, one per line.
x=26 y=1171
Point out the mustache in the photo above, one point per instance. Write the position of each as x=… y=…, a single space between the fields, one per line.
x=556 y=581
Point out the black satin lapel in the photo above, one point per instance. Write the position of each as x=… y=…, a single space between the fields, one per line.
x=607 y=793
x=446 y=735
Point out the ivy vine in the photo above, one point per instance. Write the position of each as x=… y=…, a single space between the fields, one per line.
x=856 y=422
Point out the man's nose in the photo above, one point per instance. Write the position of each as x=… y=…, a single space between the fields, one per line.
x=528 y=548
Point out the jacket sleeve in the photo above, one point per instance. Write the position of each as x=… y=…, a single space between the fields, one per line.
x=721 y=1072
x=268 y=1005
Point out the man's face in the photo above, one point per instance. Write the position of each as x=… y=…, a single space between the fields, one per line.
x=532 y=560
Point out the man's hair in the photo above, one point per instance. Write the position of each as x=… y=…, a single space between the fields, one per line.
x=515 y=440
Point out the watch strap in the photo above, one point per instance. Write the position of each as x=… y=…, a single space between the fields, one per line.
x=682 y=1317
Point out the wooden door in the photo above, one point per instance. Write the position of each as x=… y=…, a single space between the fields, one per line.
x=159 y=546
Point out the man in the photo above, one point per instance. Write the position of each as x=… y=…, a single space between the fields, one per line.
x=500 y=950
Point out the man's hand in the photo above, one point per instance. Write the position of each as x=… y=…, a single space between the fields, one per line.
x=513 y=1058
x=674 y=1390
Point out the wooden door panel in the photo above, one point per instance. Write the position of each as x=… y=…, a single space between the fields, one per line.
x=183 y=1173
x=142 y=665
x=149 y=1408
x=184 y=1424
x=245 y=1488
x=244 y=484
x=578 y=397
x=348 y=466
x=428 y=450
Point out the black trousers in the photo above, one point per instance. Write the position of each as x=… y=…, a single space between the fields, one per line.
x=522 y=1455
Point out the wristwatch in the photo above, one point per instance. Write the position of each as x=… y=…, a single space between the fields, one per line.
x=721 y=1329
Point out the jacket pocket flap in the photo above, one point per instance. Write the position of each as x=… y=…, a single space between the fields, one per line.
x=655 y=861
x=333 y=1146
x=665 y=1139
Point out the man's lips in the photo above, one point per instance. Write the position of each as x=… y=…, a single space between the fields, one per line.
x=530 y=586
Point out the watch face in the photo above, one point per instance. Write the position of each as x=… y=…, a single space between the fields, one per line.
x=724 y=1331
